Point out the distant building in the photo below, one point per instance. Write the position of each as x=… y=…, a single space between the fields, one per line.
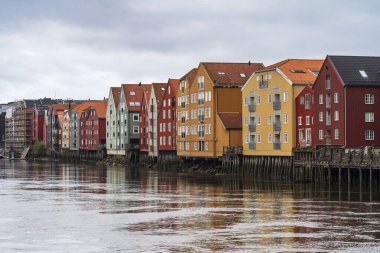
x=347 y=102
x=155 y=103
x=129 y=116
x=113 y=121
x=144 y=123
x=305 y=117
x=93 y=127
x=167 y=119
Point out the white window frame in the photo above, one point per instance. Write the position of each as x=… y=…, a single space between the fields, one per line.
x=369 y=135
x=320 y=134
x=369 y=99
x=369 y=117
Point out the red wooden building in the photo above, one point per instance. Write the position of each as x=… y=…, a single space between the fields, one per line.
x=144 y=122
x=93 y=127
x=347 y=102
x=305 y=117
x=167 y=118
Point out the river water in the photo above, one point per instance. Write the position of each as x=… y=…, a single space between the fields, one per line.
x=51 y=207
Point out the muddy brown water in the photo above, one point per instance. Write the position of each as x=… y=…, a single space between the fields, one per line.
x=56 y=207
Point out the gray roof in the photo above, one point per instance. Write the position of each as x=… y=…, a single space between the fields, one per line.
x=348 y=68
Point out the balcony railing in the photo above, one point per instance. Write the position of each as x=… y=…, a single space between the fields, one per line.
x=232 y=150
x=277 y=145
x=276 y=105
x=252 y=127
x=252 y=108
x=252 y=146
x=277 y=126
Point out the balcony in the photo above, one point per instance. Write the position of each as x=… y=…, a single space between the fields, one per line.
x=277 y=126
x=276 y=105
x=277 y=146
x=252 y=146
x=263 y=84
x=252 y=127
x=252 y=108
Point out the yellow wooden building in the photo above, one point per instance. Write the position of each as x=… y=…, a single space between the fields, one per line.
x=268 y=98
x=209 y=108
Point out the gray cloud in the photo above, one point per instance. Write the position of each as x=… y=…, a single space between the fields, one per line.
x=78 y=49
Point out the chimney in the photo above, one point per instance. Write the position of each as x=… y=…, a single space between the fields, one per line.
x=249 y=63
x=139 y=84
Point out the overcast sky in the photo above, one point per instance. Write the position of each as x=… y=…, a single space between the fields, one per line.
x=78 y=49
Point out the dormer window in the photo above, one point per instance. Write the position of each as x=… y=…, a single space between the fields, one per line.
x=363 y=73
x=132 y=93
x=297 y=71
x=221 y=73
x=242 y=75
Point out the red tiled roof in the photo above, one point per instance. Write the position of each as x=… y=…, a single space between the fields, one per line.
x=83 y=106
x=230 y=74
x=116 y=95
x=159 y=91
x=60 y=107
x=138 y=91
x=189 y=75
x=101 y=108
x=231 y=120
x=299 y=71
x=174 y=84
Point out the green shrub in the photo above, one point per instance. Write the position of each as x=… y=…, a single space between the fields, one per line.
x=38 y=149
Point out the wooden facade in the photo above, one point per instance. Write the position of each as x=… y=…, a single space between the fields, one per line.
x=347 y=95
x=167 y=118
x=305 y=117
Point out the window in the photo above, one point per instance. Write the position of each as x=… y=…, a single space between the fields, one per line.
x=258 y=138
x=246 y=139
x=270 y=138
x=269 y=98
x=206 y=145
x=336 y=134
x=285 y=137
x=258 y=119
x=201 y=83
x=336 y=98
x=136 y=117
x=321 y=99
x=246 y=100
x=246 y=120
x=336 y=115
x=321 y=134
x=269 y=119
x=135 y=129
x=307 y=120
x=302 y=100
x=195 y=145
x=285 y=96
x=328 y=82
x=285 y=118
x=164 y=103
x=307 y=101
x=163 y=127
x=369 y=99
x=320 y=116
x=299 y=120
x=369 y=135
x=369 y=117
x=258 y=99
x=363 y=73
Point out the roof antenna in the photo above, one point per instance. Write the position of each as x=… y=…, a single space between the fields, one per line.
x=249 y=63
